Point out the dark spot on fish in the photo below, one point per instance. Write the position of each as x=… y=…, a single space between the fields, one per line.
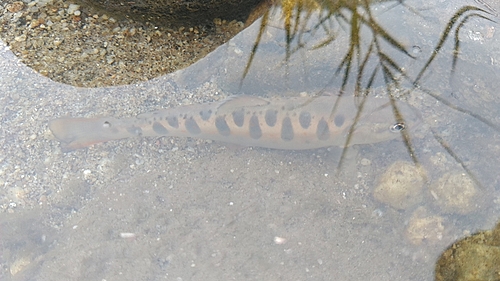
x=161 y=118
x=305 y=119
x=173 y=121
x=221 y=125
x=135 y=130
x=339 y=120
x=322 y=131
x=191 y=126
x=239 y=118
x=159 y=129
x=287 y=129
x=205 y=114
x=106 y=124
x=150 y=122
x=254 y=128
x=271 y=116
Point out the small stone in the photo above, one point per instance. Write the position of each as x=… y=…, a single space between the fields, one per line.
x=456 y=193
x=72 y=8
x=366 y=162
x=279 y=240
x=18 y=265
x=57 y=42
x=424 y=228
x=110 y=59
x=127 y=235
x=20 y=38
x=15 y=7
x=401 y=186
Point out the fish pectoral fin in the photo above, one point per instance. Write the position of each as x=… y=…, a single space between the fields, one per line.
x=238 y=101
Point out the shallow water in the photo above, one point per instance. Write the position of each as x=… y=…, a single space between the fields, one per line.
x=189 y=209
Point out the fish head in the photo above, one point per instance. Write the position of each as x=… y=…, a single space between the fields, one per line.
x=382 y=120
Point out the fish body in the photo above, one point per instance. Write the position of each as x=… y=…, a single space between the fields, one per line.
x=282 y=123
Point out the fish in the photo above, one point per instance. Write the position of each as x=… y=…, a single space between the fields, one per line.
x=292 y=123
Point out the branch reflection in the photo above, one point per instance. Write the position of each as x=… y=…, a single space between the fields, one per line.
x=373 y=54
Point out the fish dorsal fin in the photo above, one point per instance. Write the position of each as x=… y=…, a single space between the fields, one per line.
x=236 y=102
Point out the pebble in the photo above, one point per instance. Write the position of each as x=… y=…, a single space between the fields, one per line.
x=456 y=193
x=15 y=7
x=142 y=50
x=366 y=162
x=73 y=8
x=401 y=186
x=18 y=265
x=423 y=227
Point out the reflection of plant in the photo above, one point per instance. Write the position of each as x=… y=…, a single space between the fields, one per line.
x=459 y=19
x=474 y=12
x=297 y=15
x=304 y=17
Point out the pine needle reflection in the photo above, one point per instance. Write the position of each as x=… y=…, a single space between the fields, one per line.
x=372 y=55
x=459 y=19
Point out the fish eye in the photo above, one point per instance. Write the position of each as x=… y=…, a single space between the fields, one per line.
x=398 y=127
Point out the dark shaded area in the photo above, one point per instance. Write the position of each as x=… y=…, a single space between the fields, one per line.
x=177 y=12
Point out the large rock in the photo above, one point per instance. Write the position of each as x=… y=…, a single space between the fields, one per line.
x=473 y=258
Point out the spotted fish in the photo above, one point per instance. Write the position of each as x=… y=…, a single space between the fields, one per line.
x=281 y=123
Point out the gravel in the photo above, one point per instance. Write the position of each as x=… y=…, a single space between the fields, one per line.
x=93 y=49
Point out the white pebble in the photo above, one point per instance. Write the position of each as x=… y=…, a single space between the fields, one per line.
x=73 y=8
x=366 y=162
x=127 y=235
x=279 y=240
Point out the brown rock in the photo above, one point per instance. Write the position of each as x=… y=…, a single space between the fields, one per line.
x=473 y=258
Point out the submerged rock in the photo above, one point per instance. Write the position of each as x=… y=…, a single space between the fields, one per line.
x=424 y=227
x=456 y=194
x=401 y=186
x=476 y=257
